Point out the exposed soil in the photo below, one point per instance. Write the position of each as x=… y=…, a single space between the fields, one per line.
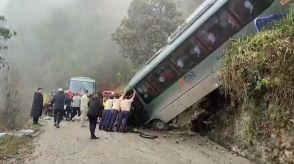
x=71 y=144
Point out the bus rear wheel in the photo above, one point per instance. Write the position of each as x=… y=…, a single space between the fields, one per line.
x=160 y=125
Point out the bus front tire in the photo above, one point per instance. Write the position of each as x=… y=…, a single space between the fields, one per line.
x=160 y=125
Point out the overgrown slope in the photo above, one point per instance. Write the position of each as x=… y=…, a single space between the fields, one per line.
x=258 y=76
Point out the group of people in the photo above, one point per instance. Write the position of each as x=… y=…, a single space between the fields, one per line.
x=116 y=108
x=108 y=109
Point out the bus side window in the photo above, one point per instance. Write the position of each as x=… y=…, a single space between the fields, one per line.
x=207 y=35
x=228 y=25
x=146 y=92
x=188 y=56
x=247 y=10
x=162 y=76
x=217 y=30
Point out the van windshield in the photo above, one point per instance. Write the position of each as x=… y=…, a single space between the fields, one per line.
x=78 y=86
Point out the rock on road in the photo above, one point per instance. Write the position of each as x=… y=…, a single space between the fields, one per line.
x=70 y=144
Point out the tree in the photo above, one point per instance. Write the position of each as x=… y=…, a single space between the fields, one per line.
x=146 y=29
x=10 y=104
x=5 y=34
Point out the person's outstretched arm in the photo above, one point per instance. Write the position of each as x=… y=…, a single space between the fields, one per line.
x=134 y=94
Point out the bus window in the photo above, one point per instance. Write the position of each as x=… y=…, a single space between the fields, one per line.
x=217 y=30
x=247 y=10
x=187 y=57
x=146 y=92
x=162 y=77
x=207 y=35
x=228 y=25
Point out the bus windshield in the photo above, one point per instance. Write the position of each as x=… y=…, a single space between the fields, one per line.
x=78 y=86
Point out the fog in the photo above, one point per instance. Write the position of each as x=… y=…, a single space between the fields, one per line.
x=58 y=39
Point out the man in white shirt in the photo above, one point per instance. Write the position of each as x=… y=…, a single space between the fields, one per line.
x=105 y=114
x=84 y=108
x=125 y=106
x=76 y=103
x=113 y=112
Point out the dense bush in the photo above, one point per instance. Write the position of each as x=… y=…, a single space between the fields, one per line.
x=258 y=76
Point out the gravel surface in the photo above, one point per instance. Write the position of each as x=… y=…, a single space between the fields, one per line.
x=70 y=144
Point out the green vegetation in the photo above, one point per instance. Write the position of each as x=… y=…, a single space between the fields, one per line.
x=10 y=104
x=5 y=34
x=258 y=76
x=10 y=145
x=146 y=29
x=10 y=117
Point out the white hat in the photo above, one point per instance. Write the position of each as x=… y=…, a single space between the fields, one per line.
x=60 y=90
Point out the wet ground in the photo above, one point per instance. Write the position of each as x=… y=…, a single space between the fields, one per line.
x=70 y=144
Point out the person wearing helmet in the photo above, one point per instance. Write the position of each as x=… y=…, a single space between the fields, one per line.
x=58 y=101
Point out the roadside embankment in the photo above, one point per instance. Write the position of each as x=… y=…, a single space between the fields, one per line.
x=252 y=113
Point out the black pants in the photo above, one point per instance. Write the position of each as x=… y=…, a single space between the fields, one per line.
x=68 y=112
x=75 y=111
x=35 y=120
x=92 y=122
x=79 y=111
x=58 y=114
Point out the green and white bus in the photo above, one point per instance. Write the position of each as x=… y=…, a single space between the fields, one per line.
x=185 y=70
x=79 y=84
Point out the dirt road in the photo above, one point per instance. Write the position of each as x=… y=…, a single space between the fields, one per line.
x=71 y=145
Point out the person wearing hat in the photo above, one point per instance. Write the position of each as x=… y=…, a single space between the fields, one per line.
x=59 y=102
x=37 y=106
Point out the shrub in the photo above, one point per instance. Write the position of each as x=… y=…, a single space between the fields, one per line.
x=258 y=76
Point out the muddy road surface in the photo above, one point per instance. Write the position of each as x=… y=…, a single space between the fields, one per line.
x=70 y=144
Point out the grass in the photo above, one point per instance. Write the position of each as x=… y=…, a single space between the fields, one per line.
x=10 y=145
x=258 y=77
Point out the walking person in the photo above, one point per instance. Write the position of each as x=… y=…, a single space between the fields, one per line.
x=95 y=110
x=105 y=114
x=37 y=106
x=68 y=107
x=125 y=106
x=58 y=102
x=113 y=112
x=84 y=108
x=76 y=102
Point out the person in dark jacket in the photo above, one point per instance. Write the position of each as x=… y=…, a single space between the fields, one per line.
x=68 y=107
x=95 y=110
x=58 y=102
x=37 y=106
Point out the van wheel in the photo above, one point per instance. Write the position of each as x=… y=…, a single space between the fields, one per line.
x=160 y=125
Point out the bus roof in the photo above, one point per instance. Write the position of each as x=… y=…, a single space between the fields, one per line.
x=202 y=13
x=87 y=79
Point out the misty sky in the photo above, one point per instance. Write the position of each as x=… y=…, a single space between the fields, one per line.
x=58 y=39
x=52 y=32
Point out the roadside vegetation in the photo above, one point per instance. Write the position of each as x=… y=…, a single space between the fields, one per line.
x=252 y=112
x=10 y=104
x=258 y=78
x=10 y=146
x=11 y=117
x=145 y=30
